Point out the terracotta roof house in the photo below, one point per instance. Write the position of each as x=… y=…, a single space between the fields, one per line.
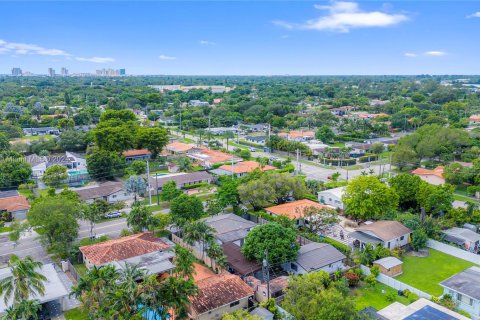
x=137 y=154
x=474 y=119
x=434 y=176
x=390 y=234
x=298 y=135
x=15 y=204
x=295 y=210
x=315 y=257
x=241 y=168
x=109 y=191
x=180 y=147
x=218 y=294
x=207 y=157
x=102 y=253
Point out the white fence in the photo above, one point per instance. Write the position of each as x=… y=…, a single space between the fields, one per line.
x=395 y=284
x=456 y=252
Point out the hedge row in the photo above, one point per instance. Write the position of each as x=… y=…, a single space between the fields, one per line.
x=251 y=144
x=338 y=162
x=368 y=158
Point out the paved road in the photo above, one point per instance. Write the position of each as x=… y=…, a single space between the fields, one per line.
x=30 y=245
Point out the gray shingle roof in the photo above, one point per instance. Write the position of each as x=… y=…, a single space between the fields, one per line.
x=229 y=227
x=463 y=233
x=181 y=179
x=466 y=282
x=102 y=190
x=388 y=262
x=315 y=255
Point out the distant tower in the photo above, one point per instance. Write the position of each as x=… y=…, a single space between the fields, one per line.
x=64 y=72
x=16 y=72
x=122 y=72
x=51 y=72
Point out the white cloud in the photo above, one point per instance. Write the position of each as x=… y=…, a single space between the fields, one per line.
x=435 y=53
x=164 y=57
x=26 y=48
x=474 y=15
x=344 y=16
x=410 y=54
x=96 y=59
x=207 y=43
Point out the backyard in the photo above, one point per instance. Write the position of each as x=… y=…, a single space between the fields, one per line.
x=376 y=296
x=425 y=273
x=76 y=314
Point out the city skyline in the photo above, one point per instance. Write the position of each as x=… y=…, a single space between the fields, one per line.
x=243 y=38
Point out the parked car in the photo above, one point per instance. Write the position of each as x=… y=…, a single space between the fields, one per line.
x=252 y=149
x=114 y=214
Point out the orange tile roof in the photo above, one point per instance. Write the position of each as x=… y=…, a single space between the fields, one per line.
x=123 y=248
x=180 y=147
x=214 y=156
x=12 y=204
x=294 y=210
x=297 y=134
x=438 y=172
x=245 y=167
x=216 y=290
x=475 y=118
x=136 y=152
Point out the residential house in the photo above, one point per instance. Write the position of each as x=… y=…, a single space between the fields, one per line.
x=61 y=159
x=38 y=164
x=41 y=131
x=474 y=119
x=198 y=103
x=207 y=157
x=141 y=248
x=358 y=149
x=260 y=140
x=314 y=257
x=54 y=288
x=79 y=161
x=259 y=127
x=223 y=130
x=109 y=191
x=230 y=228
x=241 y=168
x=299 y=136
x=434 y=176
x=217 y=100
x=422 y=309
x=339 y=112
x=390 y=234
x=177 y=148
x=182 y=179
x=468 y=239
x=295 y=210
x=277 y=288
x=138 y=154
x=238 y=264
x=389 y=266
x=218 y=294
x=464 y=287
x=386 y=141
x=377 y=102
x=15 y=204
x=332 y=197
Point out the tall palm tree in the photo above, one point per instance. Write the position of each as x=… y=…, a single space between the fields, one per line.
x=198 y=231
x=25 y=310
x=184 y=263
x=25 y=281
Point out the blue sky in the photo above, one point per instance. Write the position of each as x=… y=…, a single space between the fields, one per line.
x=242 y=38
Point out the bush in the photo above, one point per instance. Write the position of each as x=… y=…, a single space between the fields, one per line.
x=375 y=270
x=471 y=190
x=353 y=278
x=195 y=185
x=448 y=302
x=391 y=296
x=371 y=280
x=464 y=313
x=368 y=158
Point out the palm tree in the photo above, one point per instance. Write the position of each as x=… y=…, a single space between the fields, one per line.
x=184 y=263
x=25 y=310
x=24 y=282
x=198 y=231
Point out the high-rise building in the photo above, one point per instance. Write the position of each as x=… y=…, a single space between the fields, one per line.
x=122 y=72
x=64 y=72
x=51 y=72
x=16 y=72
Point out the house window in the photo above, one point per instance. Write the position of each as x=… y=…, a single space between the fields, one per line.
x=402 y=237
x=235 y=303
x=459 y=297
x=293 y=266
x=388 y=245
x=114 y=196
x=470 y=302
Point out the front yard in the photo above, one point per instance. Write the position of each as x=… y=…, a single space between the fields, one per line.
x=425 y=273
x=76 y=314
x=376 y=296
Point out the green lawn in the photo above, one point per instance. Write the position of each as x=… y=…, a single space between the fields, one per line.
x=460 y=197
x=47 y=136
x=367 y=296
x=425 y=273
x=27 y=193
x=337 y=144
x=76 y=314
x=80 y=268
x=5 y=229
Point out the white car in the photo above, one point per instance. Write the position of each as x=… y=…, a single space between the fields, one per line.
x=114 y=214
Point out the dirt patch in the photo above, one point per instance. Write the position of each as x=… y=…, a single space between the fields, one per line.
x=420 y=253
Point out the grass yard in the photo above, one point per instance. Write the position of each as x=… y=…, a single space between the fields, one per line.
x=5 y=229
x=76 y=314
x=80 y=268
x=33 y=138
x=425 y=273
x=367 y=296
x=464 y=198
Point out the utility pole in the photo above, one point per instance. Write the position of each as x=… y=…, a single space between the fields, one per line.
x=269 y=132
x=209 y=132
x=148 y=180
x=299 y=164
x=156 y=186
x=266 y=273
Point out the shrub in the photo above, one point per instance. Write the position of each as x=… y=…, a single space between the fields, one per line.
x=464 y=313
x=125 y=233
x=375 y=270
x=195 y=185
x=448 y=302
x=371 y=280
x=412 y=297
x=391 y=296
x=353 y=278
x=367 y=158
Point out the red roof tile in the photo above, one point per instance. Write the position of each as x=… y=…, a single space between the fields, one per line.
x=12 y=204
x=294 y=210
x=246 y=167
x=137 y=152
x=123 y=248
x=438 y=171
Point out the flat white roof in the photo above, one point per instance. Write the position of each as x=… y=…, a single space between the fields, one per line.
x=337 y=192
x=398 y=311
x=54 y=287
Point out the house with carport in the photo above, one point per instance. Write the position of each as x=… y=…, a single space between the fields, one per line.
x=390 y=234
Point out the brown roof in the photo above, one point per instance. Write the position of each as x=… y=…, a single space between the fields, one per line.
x=215 y=291
x=438 y=172
x=213 y=156
x=180 y=147
x=246 y=167
x=102 y=190
x=123 y=248
x=136 y=152
x=294 y=210
x=385 y=230
x=238 y=261
x=475 y=118
x=15 y=203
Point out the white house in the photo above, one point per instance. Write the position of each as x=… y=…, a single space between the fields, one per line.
x=468 y=239
x=332 y=197
x=79 y=160
x=390 y=234
x=315 y=257
x=38 y=164
x=464 y=287
x=261 y=140
x=108 y=191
